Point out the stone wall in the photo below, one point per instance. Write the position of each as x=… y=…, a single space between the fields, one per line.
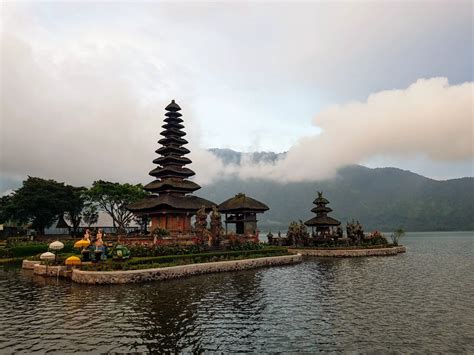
x=29 y=264
x=56 y=271
x=348 y=253
x=174 y=272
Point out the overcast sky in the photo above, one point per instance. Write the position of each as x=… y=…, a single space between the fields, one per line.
x=380 y=83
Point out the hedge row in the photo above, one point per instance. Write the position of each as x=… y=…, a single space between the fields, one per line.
x=159 y=250
x=173 y=260
x=30 y=249
x=209 y=255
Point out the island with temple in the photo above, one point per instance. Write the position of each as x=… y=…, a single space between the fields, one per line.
x=183 y=234
x=327 y=238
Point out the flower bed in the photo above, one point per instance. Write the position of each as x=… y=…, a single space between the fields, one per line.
x=184 y=259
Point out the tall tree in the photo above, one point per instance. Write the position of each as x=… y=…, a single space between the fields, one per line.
x=114 y=198
x=90 y=214
x=76 y=202
x=38 y=201
x=6 y=209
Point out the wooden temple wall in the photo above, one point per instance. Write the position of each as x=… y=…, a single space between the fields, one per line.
x=172 y=222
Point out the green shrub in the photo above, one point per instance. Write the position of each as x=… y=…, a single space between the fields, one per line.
x=147 y=251
x=204 y=256
x=182 y=259
x=247 y=246
x=28 y=250
x=16 y=241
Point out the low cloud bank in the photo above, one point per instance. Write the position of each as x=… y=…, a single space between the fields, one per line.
x=430 y=117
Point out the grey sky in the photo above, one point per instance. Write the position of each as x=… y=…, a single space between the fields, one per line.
x=83 y=82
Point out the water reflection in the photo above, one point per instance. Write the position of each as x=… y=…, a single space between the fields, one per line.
x=418 y=302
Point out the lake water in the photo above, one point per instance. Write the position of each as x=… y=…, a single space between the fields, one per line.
x=421 y=301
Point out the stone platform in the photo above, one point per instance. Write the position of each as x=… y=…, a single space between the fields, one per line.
x=174 y=272
x=29 y=264
x=348 y=253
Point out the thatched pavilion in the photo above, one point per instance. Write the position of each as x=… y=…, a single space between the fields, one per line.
x=323 y=224
x=242 y=210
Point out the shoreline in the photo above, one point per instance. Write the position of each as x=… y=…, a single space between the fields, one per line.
x=180 y=271
x=157 y=274
x=348 y=253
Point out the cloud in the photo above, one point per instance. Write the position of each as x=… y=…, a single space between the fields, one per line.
x=430 y=117
x=83 y=94
x=81 y=110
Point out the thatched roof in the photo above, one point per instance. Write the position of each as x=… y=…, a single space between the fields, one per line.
x=155 y=203
x=173 y=114
x=172 y=149
x=322 y=221
x=171 y=171
x=172 y=140
x=172 y=158
x=240 y=202
x=320 y=201
x=172 y=184
x=321 y=209
x=172 y=106
x=172 y=125
x=62 y=223
x=175 y=132
x=173 y=120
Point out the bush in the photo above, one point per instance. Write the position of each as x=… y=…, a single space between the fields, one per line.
x=28 y=250
x=18 y=247
x=147 y=251
x=247 y=246
x=199 y=257
x=13 y=242
x=172 y=260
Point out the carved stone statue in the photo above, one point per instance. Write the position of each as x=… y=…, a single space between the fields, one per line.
x=200 y=226
x=216 y=227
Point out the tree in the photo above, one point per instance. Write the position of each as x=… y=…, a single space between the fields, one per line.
x=90 y=214
x=397 y=235
x=114 y=198
x=297 y=234
x=5 y=208
x=38 y=201
x=75 y=205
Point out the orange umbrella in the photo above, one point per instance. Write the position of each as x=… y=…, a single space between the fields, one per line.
x=82 y=243
x=72 y=260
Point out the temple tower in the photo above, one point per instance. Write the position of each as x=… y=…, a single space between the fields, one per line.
x=171 y=206
x=323 y=224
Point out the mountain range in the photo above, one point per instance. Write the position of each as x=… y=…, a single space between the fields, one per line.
x=381 y=198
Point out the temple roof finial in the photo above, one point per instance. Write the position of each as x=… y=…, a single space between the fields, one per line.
x=173 y=106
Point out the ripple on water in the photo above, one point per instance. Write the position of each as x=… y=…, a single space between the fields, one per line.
x=421 y=301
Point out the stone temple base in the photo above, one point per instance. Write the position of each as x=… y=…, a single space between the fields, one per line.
x=348 y=253
x=174 y=272
x=165 y=273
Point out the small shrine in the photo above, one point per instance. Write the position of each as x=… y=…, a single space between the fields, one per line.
x=323 y=225
x=242 y=210
x=171 y=205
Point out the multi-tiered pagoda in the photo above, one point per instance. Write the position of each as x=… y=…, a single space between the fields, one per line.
x=323 y=224
x=171 y=205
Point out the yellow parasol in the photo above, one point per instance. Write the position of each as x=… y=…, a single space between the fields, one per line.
x=82 y=243
x=72 y=260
